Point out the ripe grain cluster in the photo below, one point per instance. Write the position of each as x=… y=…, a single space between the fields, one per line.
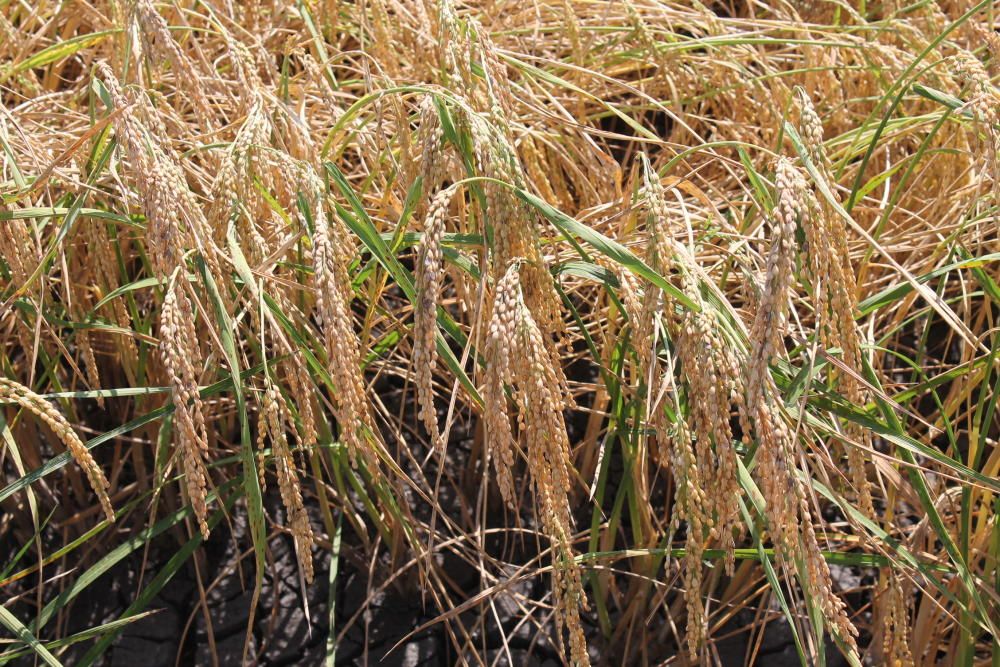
x=685 y=310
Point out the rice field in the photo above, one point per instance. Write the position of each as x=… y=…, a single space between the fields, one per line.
x=566 y=332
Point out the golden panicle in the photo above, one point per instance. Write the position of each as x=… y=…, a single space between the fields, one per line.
x=497 y=80
x=274 y=420
x=424 y=37
x=431 y=134
x=90 y=363
x=573 y=33
x=659 y=253
x=181 y=354
x=790 y=520
x=789 y=516
x=294 y=138
x=247 y=69
x=516 y=233
x=631 y=290
x=982 y=102
x=234 y=183
x=834 y=289
x=896 y=626
x=713 y=380
x=17 y=249
x=811 y=128
x=710 y=369
x=701 y=453
x=536 y=169
x=100 y=253
x=333 y=306
x=166 y=238
x=826 y=248
x=766 y=334
x=499 y=437
x=157 y=40
x=988 y=35
x=692 y=506
x=10 y=34
x=430 y=267
x=455 y=54
x=261 y=446
x=175 y=220
x=300 y=386
x=646 y=38
x=128 y=128
x=517 y=355
x=820 y=582
x=77 y=297
x=13 y=392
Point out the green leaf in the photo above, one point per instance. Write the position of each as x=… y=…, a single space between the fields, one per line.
x=896 y=292
x=251 y=479
x=362 y=225
x=606 y=246
x=63 y=49
x=78 y=637
x=25 y=635
x=161 y=579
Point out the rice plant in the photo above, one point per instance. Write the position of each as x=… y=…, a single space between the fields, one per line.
x=497 y=333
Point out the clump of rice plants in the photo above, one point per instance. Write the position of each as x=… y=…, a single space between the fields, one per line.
x=596 y=333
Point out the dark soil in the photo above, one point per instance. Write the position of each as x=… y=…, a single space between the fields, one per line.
x=373 y=623
x=291 y=630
